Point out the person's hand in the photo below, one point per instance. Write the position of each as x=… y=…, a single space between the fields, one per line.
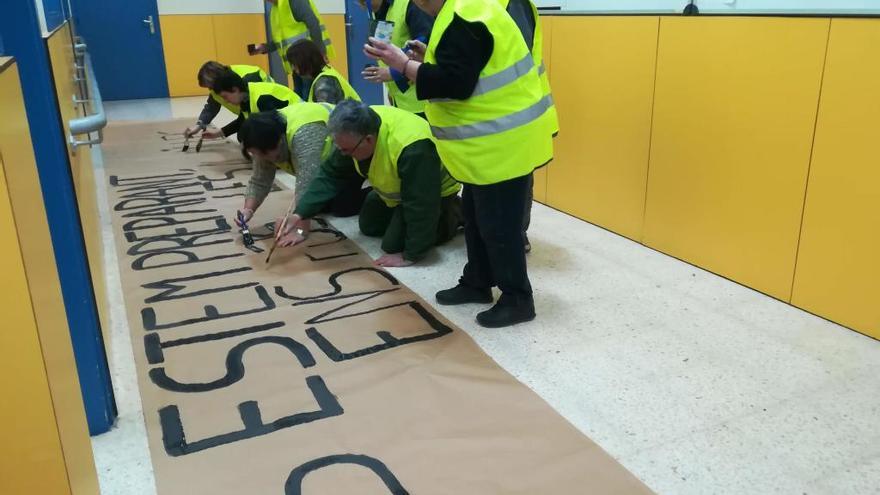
x=213 y=134
x=377 y=74
x=192 y=131
x=386 y=52
x=417 y=50
x=295 y=231
x=393 y=260
x=246 y=215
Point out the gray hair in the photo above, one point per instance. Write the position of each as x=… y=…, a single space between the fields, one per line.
x=354 y=117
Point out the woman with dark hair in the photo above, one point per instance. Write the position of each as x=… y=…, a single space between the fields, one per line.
x=250 y=98
x=327 y=84
x=207 y=74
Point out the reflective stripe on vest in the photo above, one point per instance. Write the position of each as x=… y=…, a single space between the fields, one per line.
x=500 y=79
x=496 y=126
x=285 y=43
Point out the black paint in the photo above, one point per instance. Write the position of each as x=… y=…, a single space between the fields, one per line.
x=174 y=437
x=295 y=480
x=234 y=365
x=153 y=346
x=169 y=286
x=148 y=314
x=390 y=341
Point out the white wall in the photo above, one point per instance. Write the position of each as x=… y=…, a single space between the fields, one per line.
x=235 y=6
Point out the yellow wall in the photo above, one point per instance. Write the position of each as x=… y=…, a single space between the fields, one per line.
x=44 y=440
x=191 y=40
x=735 y=108
x=838 y=268
x=188 y=42
x=603 y=87
x=336 y=29
x=696 y=136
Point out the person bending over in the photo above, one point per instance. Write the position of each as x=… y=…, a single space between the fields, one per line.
x=414 y=204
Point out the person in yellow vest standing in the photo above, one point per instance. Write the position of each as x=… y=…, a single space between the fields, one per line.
x=294 y=139
x=249 y=97
x=325 y=83
x=414 y=204
x=525 y=14
x=488 y=114
x=289 y=22
x=410 y=22
x=207 y=74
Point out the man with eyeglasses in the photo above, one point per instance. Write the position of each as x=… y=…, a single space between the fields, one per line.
x=414 y=204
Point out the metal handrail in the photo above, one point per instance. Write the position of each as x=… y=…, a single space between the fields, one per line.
x=93 y=122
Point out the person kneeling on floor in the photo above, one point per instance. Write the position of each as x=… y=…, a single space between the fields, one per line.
x=414 y=204
x=294 y=139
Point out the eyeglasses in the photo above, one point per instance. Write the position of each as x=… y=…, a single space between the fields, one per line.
x=352 y=150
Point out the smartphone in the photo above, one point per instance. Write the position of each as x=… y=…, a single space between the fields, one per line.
x=382 y=30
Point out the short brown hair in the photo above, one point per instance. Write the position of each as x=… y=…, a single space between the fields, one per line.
x=306 y=57
x=209 y=72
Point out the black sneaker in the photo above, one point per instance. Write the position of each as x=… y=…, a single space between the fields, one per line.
x=463 y=294
x=506 y=315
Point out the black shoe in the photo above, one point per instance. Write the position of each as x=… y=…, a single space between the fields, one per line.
x=506 y=315
x=463 y=294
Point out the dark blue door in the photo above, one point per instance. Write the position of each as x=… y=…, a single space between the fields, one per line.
x=126 y=47
x=357 y=27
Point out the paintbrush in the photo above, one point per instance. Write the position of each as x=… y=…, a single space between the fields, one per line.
x=185 y=144
x=199 y=144
x=280 y=230
x=247 y=238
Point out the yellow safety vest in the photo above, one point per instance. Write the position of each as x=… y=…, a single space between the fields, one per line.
x=538 y=56
x=406 y=100
x=258 y=89
x=501 y=131
x=399 y=129
x=300 y=115
x=347 y=90
x=242 y=71
x=286 y=31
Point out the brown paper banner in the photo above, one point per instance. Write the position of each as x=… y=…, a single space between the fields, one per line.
x=317 y=373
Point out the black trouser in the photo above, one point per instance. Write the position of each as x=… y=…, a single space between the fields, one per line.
x=349 y=200
x=379 y=220
x=527 y=214
x=493 y=232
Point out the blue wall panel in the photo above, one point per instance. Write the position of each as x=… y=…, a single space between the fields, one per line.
x=22 y=37
x=54 y=10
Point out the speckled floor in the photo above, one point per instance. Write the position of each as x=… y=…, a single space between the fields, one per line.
x=694 y=383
